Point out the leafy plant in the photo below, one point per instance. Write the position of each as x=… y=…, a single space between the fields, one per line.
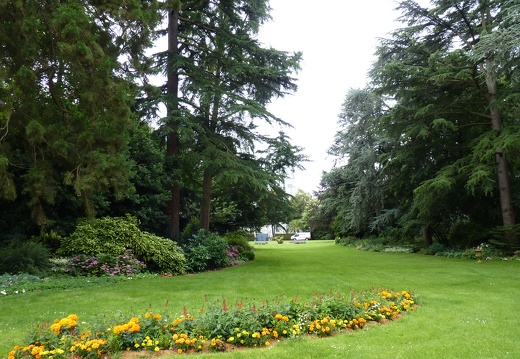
x=113 y=236
x=240 y=241
x=104 y=235
x=160 y=253
x=244 y=324
x=25 y=257
x=106 y=265
x=206 y=251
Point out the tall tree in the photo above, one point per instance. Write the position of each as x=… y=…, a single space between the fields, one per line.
x=66 y=86
x=444 y=99
x=172 y=121
x=361 y=146
x=226 y=78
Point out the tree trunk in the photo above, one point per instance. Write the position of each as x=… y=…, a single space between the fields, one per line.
x=172 y=107
x=504 y=185
x=205 y=207
x=428 y=235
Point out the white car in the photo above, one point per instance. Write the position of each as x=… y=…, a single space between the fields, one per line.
x=301 y=236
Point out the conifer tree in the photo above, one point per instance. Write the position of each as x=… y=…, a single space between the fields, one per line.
x=452 y=120
x=68 y=72
x=226 y=79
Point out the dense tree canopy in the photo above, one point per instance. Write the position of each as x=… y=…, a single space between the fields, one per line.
x=442 y=156
x=225 y=80
x=76 y=95
x=66 y=98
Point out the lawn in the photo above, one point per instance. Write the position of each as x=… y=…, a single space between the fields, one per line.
x=468 y=309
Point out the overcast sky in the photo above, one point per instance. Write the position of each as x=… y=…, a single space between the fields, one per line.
x=338 y=40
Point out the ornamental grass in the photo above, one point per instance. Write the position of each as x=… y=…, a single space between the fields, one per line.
x=217 y=326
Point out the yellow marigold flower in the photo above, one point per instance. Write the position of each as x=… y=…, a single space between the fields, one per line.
x=156 y=349
x=134 y=328
x=278 y=316
x=179 y=351
x=231 y=339
x=267 y=344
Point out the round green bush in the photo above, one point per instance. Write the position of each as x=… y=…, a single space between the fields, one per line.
x=114 y=235
x=206 y=251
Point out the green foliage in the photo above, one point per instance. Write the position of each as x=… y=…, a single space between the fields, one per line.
x=160 y=253
x=347 y=241
x=115 y=235
x=105 y=235
x=279 y=239
x=206 y=251
x=420 y=144
x=246 y=324
x=148 y=201
x=374 y=244
x=68 y=119
x=241 y=241
x=226 y=86
x=16 y=282
x=25 y=283
x=105 y=265
x=25 y=257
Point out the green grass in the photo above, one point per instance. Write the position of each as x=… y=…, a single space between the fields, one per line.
x=468 y=309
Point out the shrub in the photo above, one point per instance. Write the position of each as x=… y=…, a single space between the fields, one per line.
x=240 y=241
x=25 y=257
x=348 y=241
x=160 y=253
x=103 y=235
x=113 y=236
x=206 y=251
x=106 y=265
x=433 y=249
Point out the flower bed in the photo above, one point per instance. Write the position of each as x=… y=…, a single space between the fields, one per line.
x=216 y=327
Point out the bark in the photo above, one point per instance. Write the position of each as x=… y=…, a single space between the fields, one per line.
x=504 y=185
x=173 y=142
x=207 y=182
x=205 y=207
x=428 y=236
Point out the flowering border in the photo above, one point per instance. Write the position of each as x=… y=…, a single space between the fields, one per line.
x=217 y=326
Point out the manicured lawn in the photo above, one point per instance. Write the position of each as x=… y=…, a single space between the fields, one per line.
x=468 y=309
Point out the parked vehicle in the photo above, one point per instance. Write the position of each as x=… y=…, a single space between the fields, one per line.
x=301 y=236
